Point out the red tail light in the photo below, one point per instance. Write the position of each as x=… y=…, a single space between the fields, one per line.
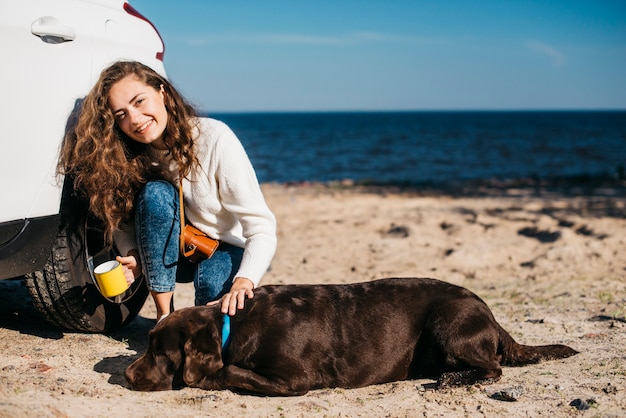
x=133 y=12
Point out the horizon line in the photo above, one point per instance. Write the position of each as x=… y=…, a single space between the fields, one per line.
x=529 y=110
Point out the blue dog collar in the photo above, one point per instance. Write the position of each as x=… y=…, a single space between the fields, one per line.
x=226 y=331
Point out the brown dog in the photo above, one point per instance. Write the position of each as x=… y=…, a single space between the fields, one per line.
x=294 y=338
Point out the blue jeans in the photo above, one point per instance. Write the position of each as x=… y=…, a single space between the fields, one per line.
x=157 y=227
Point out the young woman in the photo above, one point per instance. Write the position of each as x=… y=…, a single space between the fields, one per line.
x=135 y=138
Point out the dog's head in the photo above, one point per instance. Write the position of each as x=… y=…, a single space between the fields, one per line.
x=184 y=349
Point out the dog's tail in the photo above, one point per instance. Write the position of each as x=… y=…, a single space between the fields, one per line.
x=514 y=354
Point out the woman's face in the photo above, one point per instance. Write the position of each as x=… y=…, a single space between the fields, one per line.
x=139 y=111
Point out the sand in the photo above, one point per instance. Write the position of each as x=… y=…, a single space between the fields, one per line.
x=551 y=264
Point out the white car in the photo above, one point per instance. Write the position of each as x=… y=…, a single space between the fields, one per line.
x=53 y=52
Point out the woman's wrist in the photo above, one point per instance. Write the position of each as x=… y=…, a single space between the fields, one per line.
x=242 y=283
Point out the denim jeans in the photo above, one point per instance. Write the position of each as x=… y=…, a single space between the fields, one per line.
x=157 y=228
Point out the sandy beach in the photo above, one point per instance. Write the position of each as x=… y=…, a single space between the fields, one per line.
x=550 y=263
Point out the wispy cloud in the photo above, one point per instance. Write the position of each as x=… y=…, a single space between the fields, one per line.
x=392 y=37
x=353 y=38
x=556 y=57
x=284 y=38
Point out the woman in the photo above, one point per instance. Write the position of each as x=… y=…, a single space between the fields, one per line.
x=135 y=137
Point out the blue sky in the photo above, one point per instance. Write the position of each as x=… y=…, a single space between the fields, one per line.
x=329 y=55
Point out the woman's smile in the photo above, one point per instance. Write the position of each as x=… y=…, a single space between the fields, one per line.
x=144 y=127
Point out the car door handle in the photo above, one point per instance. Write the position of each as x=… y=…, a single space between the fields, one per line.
x=51 y=31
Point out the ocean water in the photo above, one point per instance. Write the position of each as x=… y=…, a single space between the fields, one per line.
x=431 y=147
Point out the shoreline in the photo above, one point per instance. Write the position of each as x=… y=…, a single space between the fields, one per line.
x=585 y=185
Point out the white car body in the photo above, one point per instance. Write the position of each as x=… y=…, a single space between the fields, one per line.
x=54 y=52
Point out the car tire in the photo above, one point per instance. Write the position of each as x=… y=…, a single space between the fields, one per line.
x=65 y=291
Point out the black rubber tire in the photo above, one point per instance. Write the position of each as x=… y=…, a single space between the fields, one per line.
x=65 y=292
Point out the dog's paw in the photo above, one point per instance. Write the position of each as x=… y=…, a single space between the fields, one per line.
x=452 y=379
x=464 y=378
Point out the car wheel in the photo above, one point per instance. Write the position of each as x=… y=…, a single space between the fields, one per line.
x=65 y=291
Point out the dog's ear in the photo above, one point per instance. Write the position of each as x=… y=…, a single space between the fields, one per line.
x=203 y=354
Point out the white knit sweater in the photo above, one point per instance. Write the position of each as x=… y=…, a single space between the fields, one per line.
x=223 y=198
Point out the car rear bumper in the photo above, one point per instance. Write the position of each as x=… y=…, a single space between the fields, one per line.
x=25 y=245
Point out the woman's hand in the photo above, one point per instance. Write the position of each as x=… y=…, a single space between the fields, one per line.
x=235 y=298
x=132 y=269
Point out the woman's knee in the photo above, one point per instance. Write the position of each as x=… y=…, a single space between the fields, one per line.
x=157 y=197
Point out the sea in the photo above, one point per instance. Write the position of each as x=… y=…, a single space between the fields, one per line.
x=431 y=147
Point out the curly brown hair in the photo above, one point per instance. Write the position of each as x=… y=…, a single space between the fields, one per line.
x=106 y=166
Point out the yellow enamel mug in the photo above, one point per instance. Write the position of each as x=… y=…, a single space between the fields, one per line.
x=110 y=278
